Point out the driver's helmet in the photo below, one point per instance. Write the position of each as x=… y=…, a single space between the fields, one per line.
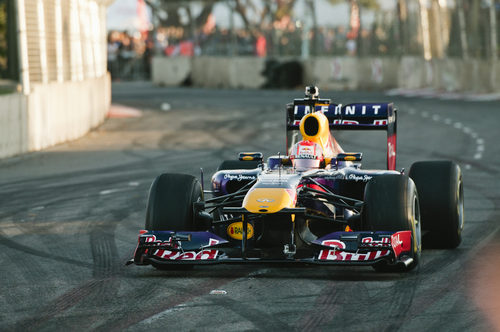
x=306 y=155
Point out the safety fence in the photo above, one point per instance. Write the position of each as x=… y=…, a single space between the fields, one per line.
x=426 y=28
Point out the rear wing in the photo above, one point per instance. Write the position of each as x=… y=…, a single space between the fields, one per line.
x=358 y=116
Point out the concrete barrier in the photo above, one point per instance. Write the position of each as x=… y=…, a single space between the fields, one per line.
x=337 y=73
x=52 y=113
x=210 y=72
x=13 y=129
x=171 y=71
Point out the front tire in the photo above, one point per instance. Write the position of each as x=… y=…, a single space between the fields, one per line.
x=170 y=203
x=391 y=204
x=170 y=207
x=441 y=195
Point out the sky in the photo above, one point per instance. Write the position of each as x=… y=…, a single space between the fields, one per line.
x=122 y=14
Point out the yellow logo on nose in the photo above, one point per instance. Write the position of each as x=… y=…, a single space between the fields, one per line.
x=235 y=230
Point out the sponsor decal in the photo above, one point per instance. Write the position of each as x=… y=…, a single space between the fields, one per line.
x=205 y=254
x=401 y=242
x=235 y=230
x=392 y=153
x=238 y=177
x=339 y=255
x=369 y=242
x=345 y=122
x=380 y=122
x=338 y=176
x=265 y=200
x=321 y=108
x=355 y=177
x=358 y=109
x=335 y=255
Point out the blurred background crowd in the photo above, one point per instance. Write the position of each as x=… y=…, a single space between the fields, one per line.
x=295 y=28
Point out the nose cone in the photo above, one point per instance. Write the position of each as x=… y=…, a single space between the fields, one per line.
x=269 y=200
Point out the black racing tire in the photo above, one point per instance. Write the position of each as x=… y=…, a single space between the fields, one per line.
x=170 y=203
x=238 y=164
x=170 y=207
x=391 y=204
x=441 y=195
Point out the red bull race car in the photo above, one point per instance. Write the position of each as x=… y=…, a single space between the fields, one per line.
x=314 y=204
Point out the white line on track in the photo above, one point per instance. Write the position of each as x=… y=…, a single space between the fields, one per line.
x=160 y=315
x=457 y=125
x=108 y=191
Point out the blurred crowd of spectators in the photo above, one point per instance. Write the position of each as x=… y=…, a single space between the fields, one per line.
x=273 y=42
x=129 y=55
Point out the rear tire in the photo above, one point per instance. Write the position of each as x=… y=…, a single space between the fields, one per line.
x=441 y=195
x=391 y=204
x=238 y=164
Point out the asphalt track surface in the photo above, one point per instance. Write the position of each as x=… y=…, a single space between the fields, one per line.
x=70 y=216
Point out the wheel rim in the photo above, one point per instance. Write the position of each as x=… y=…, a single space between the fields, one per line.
x=416 y=223
x=460 y=207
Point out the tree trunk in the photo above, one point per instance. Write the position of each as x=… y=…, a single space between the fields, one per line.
x=463 y=32
x=493 y=31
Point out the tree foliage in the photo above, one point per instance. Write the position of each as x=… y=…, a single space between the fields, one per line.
x=368 y=4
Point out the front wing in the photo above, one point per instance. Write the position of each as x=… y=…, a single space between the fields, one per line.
x=338 y=248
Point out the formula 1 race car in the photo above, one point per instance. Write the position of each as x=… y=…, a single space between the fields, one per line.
x=313 y=205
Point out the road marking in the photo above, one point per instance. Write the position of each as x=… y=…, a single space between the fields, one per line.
x=163 y=313
x=458 y=125
x=218 y=292
x=165 y=107
x=120 y=111
x=133 y=184
x=108 y=191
